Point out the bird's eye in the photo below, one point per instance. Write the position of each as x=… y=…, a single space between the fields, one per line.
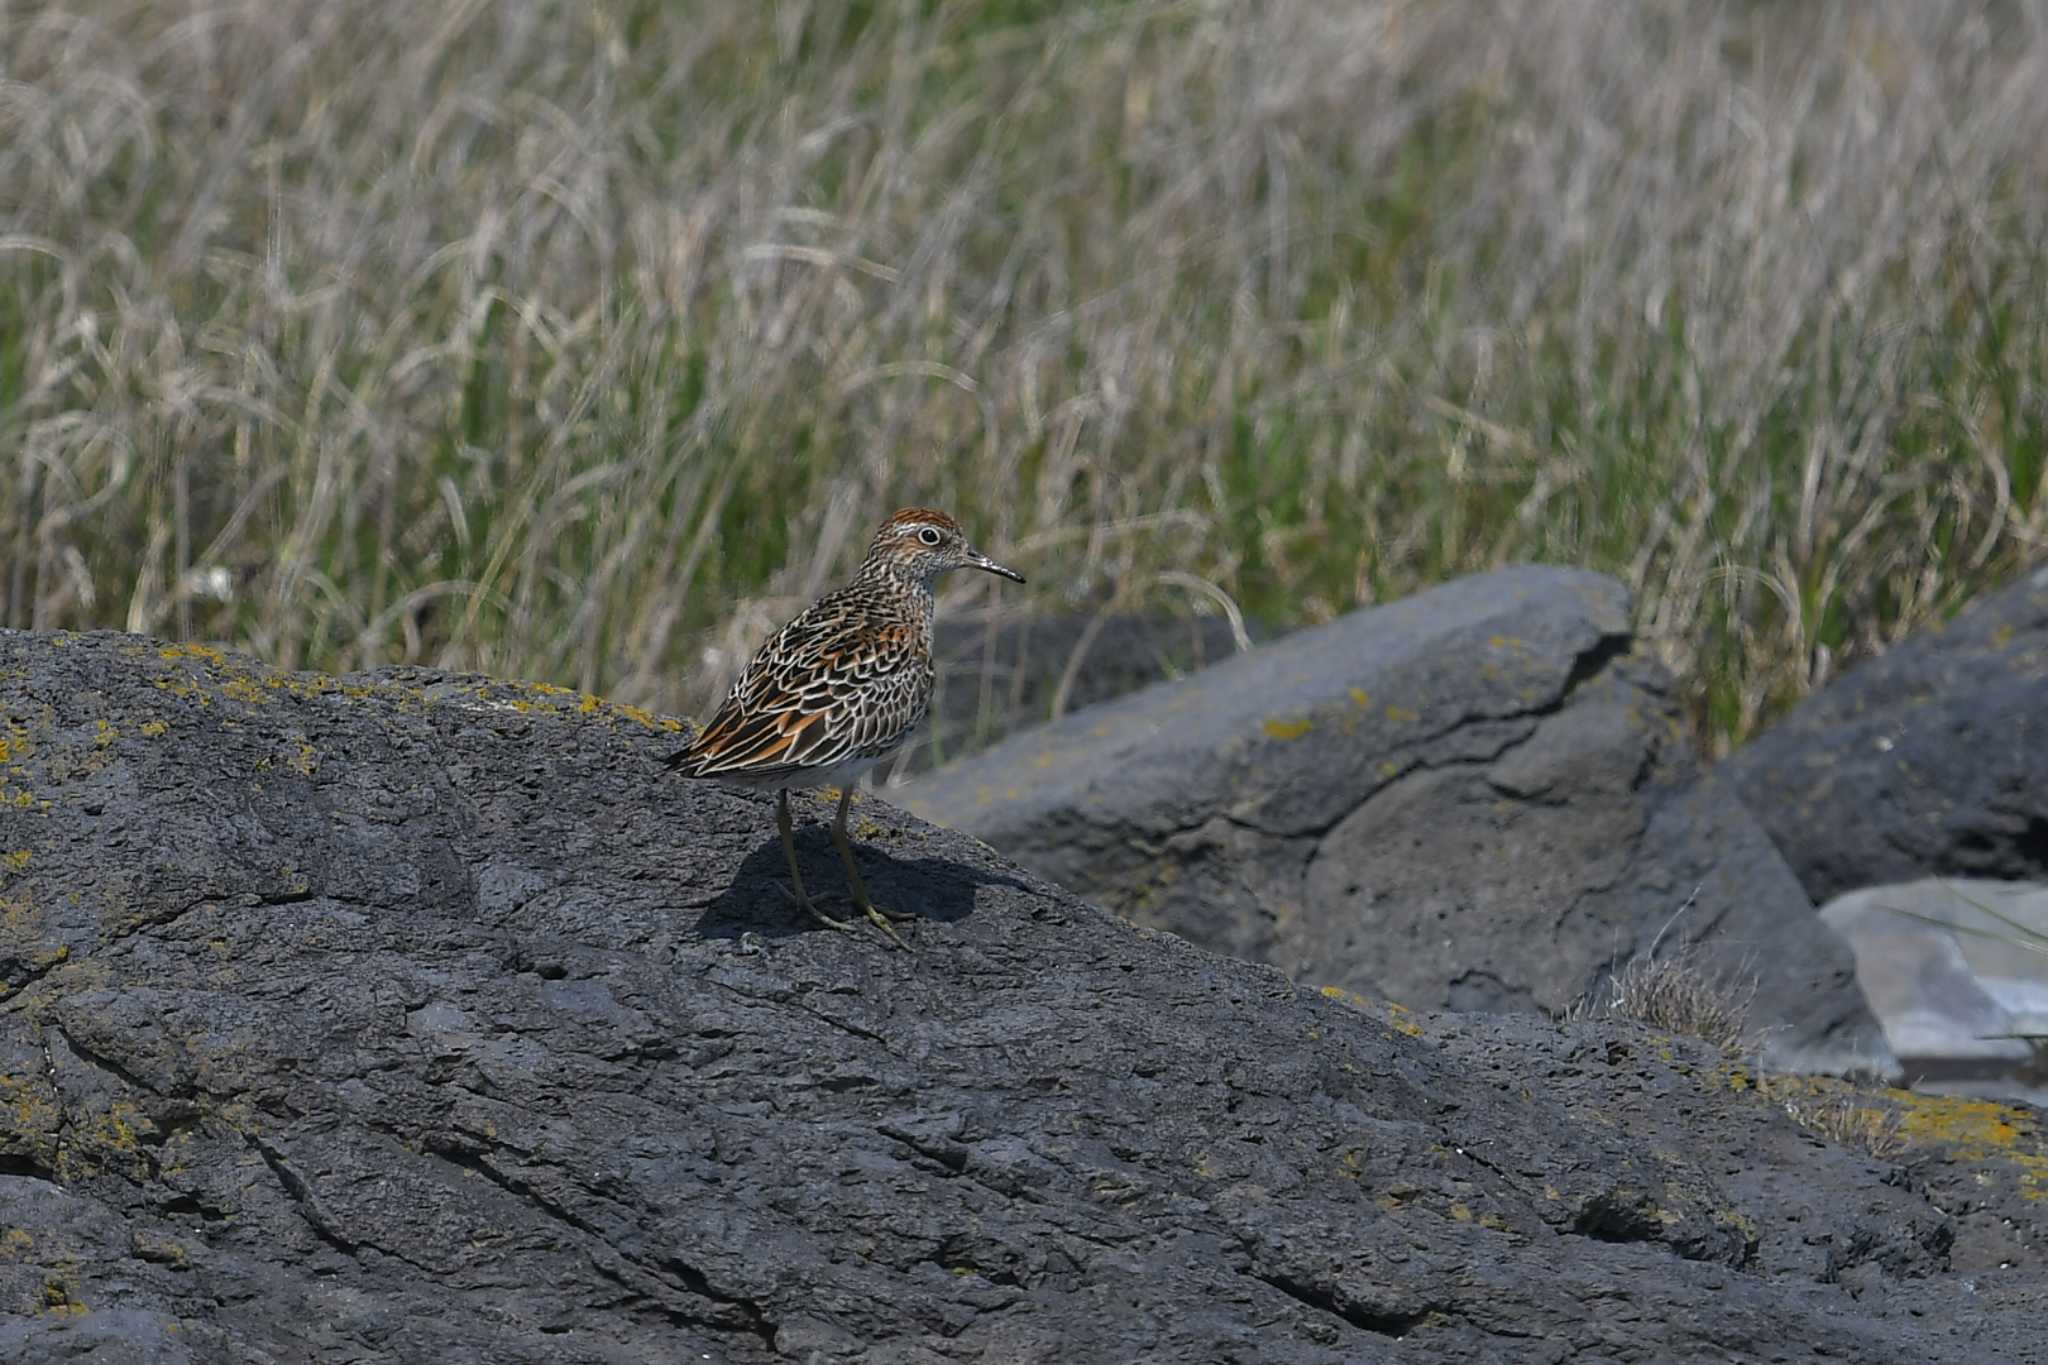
x=929 y=535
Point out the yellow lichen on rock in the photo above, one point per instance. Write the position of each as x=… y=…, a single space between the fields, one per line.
x=206 y=653
x=1976 y=1130
x=1973 y=1130
x=1397 y=1017
x=15 y=745
x=245 y=690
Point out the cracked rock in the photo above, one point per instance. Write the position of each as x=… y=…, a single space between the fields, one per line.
x=1474 y=798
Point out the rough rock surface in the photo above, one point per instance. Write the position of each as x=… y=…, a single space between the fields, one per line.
x=405 y=1017
x=1929 y=760
x=1956 y=1003
x=1476 y=798
x=1003 y=674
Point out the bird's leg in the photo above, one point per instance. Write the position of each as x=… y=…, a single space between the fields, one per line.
x=803 y=897
x=860 y=890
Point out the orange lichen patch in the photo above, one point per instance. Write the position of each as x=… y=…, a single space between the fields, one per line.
x=587 y=704
x=642 y=718
x=1403 y=1020
x=15 y=745
x=183 y=688
x=1972 y=1130
x=1401 y=715
x=188 y=651
x=245 y=690
x=1287 y=729
x=1978 y=1130
x=1360 y=698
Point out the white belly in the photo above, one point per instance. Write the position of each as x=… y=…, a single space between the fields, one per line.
x=838 y=775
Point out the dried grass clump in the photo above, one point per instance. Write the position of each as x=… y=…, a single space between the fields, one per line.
x=1678 y=993
x=582 y=341
x=1842 y=1119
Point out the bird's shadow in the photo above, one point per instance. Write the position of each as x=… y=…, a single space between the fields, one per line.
x=760 y=902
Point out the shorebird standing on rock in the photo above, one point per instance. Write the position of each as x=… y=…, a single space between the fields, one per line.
x=839 y=688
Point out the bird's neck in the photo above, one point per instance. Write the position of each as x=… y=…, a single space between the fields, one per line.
x=893 y=578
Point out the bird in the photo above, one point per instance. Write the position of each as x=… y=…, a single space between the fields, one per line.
x=839 y=688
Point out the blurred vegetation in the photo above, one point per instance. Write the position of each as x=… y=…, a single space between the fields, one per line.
x=580 y=341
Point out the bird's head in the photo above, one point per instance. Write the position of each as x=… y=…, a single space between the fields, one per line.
x=920 y=544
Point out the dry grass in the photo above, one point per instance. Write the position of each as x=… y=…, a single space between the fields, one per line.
x=1679 y=993
x=578 y=341
x=1840 y=1118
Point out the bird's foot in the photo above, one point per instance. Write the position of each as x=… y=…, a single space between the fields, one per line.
x=881 y=918
x=811 y=908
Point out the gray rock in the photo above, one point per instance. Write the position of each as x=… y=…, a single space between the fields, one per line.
x=1929 y=760
x=1477 y=798
x=405 y=1017
x=1956 y=1003
x=1001 y=674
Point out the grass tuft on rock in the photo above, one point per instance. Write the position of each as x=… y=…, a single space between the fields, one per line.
x=1679 y=993
x=1844 y=1119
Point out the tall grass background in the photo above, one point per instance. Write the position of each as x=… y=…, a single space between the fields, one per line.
x=581 y=340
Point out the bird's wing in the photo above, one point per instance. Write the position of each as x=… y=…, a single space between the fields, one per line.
x=823 y=690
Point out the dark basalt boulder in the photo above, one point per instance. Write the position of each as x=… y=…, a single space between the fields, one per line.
x=1929 y=760
x=408 y=1017
x=1476 y=798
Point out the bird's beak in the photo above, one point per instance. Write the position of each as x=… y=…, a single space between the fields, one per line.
x=982 y=561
